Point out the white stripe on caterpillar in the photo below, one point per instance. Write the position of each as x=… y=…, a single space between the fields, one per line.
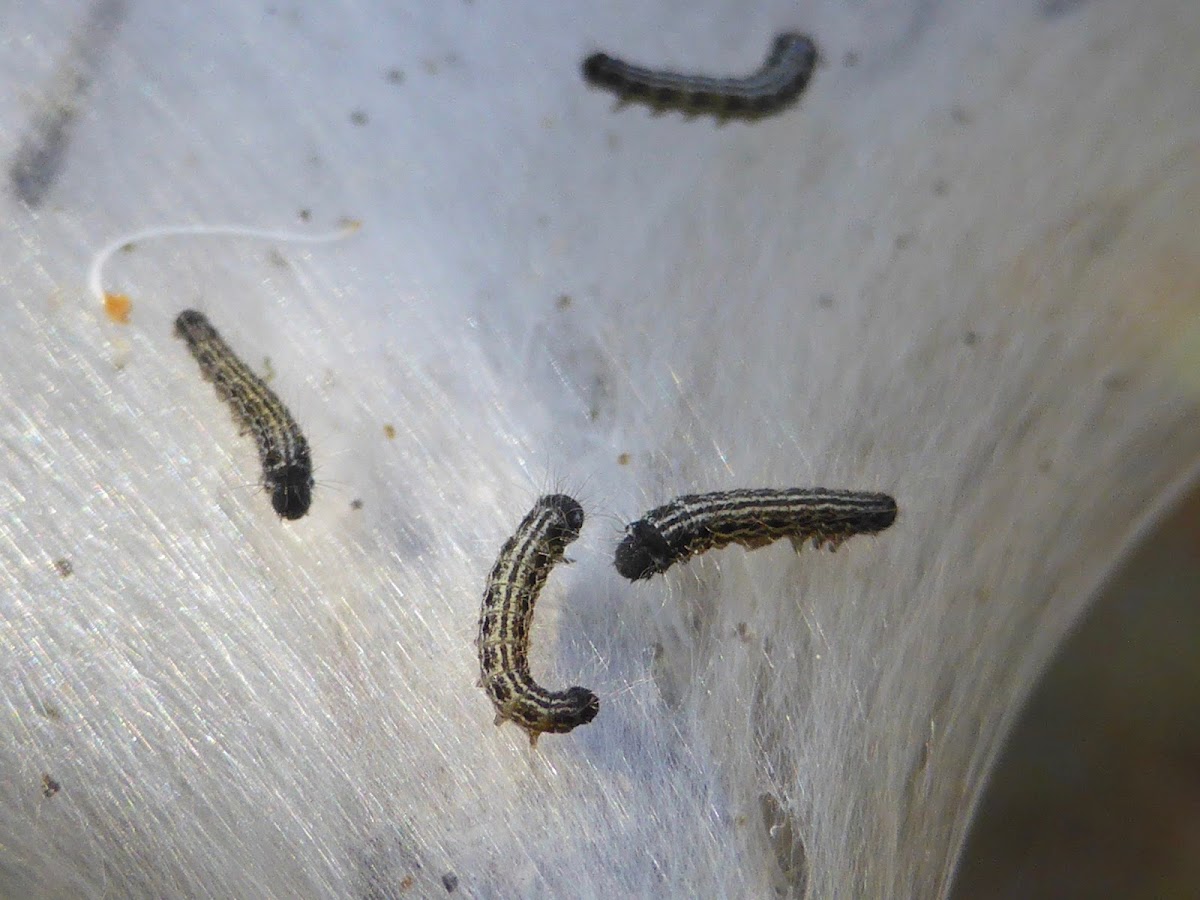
x=778 y=83
x=282 y=449
x=505 y=618
x=694 y=523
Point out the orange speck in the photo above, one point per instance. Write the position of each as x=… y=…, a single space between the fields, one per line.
x=118 y=307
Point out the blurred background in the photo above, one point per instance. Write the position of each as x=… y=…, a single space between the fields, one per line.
x=1098 y=791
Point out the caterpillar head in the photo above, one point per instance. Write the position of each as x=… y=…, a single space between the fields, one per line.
x=291 y=490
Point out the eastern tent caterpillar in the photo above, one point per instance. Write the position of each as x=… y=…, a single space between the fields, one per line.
x=505 y=618
x=780 y=80
x=694 y=523
x=282 y=449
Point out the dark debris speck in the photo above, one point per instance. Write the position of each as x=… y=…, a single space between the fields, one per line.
x=50 y=787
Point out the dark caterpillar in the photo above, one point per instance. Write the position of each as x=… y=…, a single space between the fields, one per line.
x=282 y=449
x=780 y=81
x=694 y=523
x=505 y=618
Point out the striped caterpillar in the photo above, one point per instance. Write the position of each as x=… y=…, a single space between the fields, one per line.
x=505 y=618
x=282 y=449
x=694 y=523
x=778 y=83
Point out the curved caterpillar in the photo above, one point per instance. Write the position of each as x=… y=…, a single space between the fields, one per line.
x=282 y=449
x=512 y=590
x=779 y=82
x=694 y=523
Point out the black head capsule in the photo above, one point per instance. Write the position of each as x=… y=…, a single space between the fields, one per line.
x=582 y=706
x=599 y=69
x=643 y=552
x=794 y=44
x=877 y=515
x=570 y=516
x=291 y=490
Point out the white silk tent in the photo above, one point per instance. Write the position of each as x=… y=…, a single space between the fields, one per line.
x=961 y=270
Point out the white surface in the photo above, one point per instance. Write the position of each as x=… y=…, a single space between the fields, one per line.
x=235 y=706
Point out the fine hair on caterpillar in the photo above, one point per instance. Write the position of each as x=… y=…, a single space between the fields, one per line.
x=777 y=84
x=695 y=523
x=506 y=617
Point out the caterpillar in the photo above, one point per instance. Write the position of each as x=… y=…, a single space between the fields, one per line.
x=505 y=618
x=282 y=449
x=777 y=84
x=694 y=523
